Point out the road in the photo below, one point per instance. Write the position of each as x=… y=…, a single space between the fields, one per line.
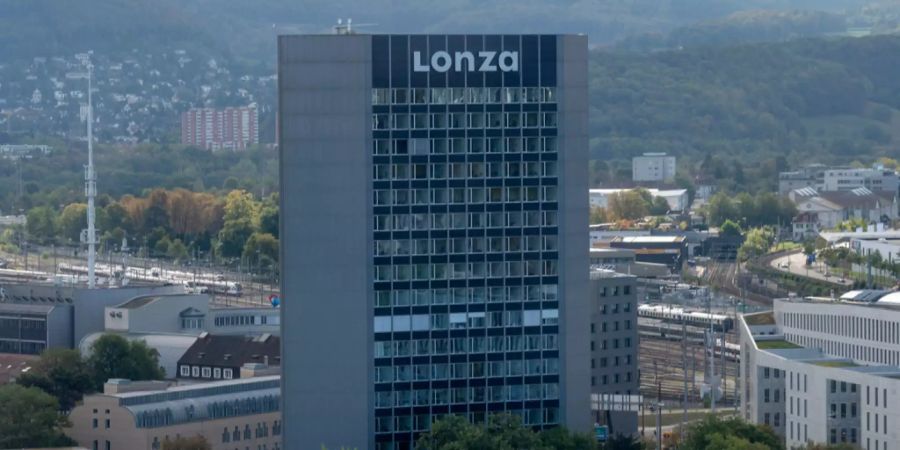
x=795 y=263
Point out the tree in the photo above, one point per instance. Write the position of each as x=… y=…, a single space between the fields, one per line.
x=113 y=356
x=72 y=220
x=61 y=373
x=41 y=224
x=720 y=209
x=628 y=205
x=757 y=243
x=730 y=228
x=598 y=215
x=713 y=433
x=502 y=432
x=659 y=206
x=184 y=443
x=622 y=442
x=261 y=246
x=29 y=418
x=241 y=215
x=177 y=250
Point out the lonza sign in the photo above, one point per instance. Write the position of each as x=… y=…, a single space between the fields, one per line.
x=487 y=61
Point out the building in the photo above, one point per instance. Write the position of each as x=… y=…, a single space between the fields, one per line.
x=14 y=365
x=676 y=198
x=233 y=128
x=825 y=370
x=669 y=250
x=653 y=167
x=614 y=345
x=465 y=295
x=141 y=415
x=875 y=179
x=36 y=316
x=221 y=357
x=811 y=176
x=622 y=260
x=823 y=210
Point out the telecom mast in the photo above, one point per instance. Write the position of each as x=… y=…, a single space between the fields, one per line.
x=89 y=236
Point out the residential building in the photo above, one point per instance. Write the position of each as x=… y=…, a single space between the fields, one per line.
x=676 y=198
x=140 y=415
x=232 y=128
x=614 y=345
x=221 y=357
x=653 y=167
x=467 y=156
x=825 y=370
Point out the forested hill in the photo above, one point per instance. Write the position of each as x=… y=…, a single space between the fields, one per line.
x=244 y=29
x=807 y=100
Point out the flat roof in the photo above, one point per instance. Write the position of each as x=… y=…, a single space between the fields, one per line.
x=650 y=239
x=25 y=308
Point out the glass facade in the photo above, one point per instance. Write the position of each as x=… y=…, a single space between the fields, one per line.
x=465 y=233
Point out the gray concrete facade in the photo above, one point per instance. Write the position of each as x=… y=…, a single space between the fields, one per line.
x=326 y=176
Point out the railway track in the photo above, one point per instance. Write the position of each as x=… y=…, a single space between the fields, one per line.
x=661 y=371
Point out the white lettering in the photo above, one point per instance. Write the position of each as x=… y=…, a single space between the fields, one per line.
x=509 y=61
x=468 y=57
x=417 y=63
x=487 y=62
x=441 y=61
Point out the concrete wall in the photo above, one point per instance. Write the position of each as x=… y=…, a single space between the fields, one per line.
x=325 y=152
x=573 y=241
x=90 y=305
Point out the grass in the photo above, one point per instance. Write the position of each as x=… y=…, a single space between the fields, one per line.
x=835 y=364
x=785 y=246
x=765 y=318
x=775 y=345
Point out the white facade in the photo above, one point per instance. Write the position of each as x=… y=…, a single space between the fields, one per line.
x=653 y=167
x=825 y=371
x=876 y=179
x=676 y=198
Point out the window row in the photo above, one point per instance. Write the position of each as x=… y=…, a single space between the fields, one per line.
x=465 y=370
x=462 y=120
x=462 y=245
x=464 y=170
x=462 y=271
x=427 y=397
x=216 y=373
x=459 y=145
x=461 y=220
x=464 y=320
x=459 y=296
x=481 y=344
x=461 y=96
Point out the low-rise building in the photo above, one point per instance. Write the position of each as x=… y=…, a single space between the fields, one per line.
x=822 y=210
x=229 y=414
x=669 y=250
x=676 y=198
x=221 y=357
x=825 y=370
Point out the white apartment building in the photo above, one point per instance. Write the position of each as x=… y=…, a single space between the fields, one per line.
x=825 y=370
x=653 y=167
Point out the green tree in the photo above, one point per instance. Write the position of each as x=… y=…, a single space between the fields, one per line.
x=113 y=356
x=62 y=373
x=240 y=219
x=187 y=443
x=502 y=432
x=712 y=432
x=72 y=220
x=115 y=216
x=659 y=206
x=29 y=418
x=261 y=247
x=628 y=205
x=720 y=209
x=757 y=242
x=41 y=224
x=598 y=215
x=622 y=442
x=177 y=250
x=729 y=228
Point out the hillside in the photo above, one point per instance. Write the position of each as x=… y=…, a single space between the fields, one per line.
x=244 y=29
x=831 y=101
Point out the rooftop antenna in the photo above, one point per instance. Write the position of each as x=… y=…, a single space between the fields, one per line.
x=89 y=236
x=347 y=28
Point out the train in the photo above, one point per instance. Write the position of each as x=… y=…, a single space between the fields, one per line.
x=674 y=314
